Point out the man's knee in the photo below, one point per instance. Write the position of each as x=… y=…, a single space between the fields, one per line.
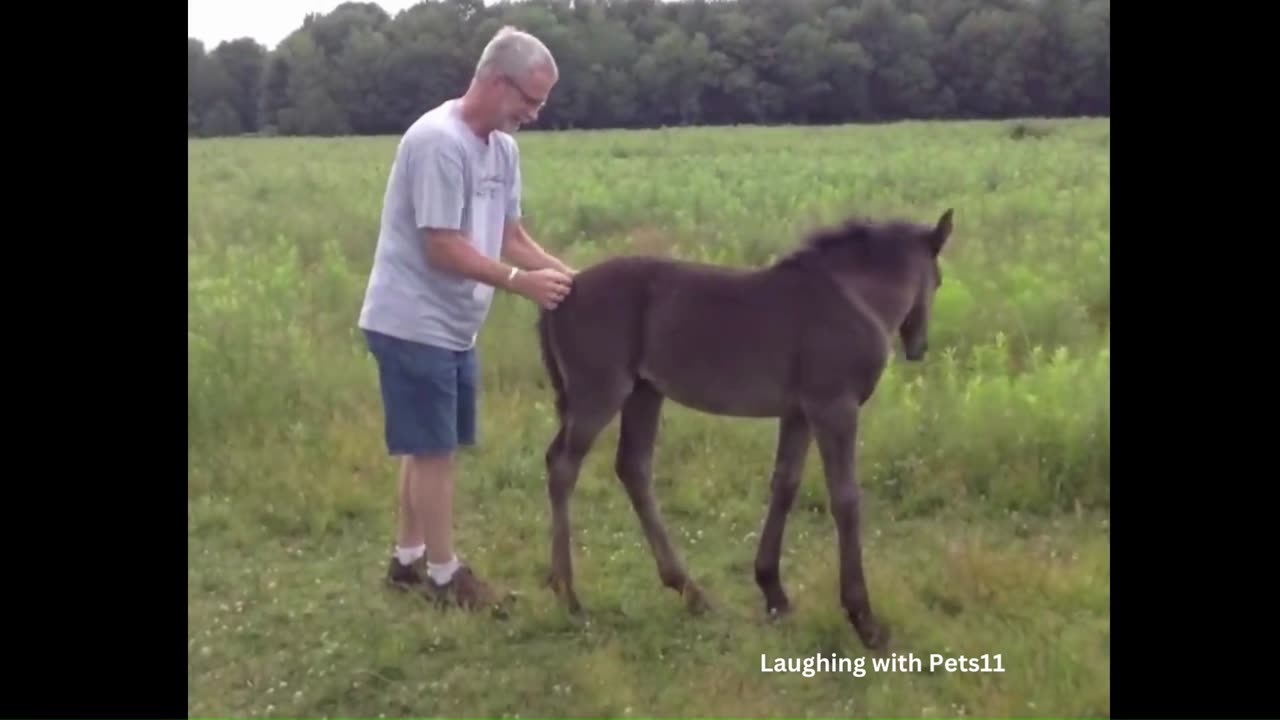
x=431 y=467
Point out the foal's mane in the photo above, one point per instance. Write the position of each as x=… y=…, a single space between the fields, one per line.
x=874 y=244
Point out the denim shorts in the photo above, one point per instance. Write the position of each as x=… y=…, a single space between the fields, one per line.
x=428 y=395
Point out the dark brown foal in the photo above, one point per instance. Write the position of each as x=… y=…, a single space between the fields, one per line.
x=804 y=340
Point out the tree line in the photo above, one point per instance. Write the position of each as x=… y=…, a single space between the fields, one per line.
x=645 y=63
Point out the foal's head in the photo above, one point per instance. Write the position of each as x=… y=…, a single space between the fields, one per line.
x=893 y=266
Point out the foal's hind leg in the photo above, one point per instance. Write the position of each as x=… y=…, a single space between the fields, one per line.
x=583 y=421
x=835 y=424
x=788 y=465
x=634 y=465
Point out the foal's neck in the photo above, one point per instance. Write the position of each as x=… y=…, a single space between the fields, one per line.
x=887 y=303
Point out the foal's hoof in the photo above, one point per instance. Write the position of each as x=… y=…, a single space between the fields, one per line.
x=565 y=593
x=778 y=608
x=776 y=603
x=874 y=634
x=695 y=600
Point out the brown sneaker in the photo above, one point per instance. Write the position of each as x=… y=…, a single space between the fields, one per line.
x=408 y=577
x=465 y=590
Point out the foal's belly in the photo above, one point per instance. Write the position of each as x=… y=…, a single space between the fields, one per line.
x=728 y=406
x=730 y=390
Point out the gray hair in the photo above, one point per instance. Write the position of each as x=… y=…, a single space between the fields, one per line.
x=513 y=52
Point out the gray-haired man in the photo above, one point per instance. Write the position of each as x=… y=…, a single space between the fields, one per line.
x=450 y=218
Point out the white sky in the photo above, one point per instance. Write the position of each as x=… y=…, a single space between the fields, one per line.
x=267 y=21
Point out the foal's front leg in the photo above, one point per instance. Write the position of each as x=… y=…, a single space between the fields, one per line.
x=836 y=427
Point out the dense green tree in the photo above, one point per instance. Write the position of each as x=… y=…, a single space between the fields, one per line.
x=644 y=63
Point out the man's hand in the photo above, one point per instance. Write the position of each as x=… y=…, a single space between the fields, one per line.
x=546 y=287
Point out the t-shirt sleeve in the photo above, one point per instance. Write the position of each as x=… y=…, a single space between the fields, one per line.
x=436 y=176
x=513 y=186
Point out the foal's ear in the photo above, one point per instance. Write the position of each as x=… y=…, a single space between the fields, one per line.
x=941 y=232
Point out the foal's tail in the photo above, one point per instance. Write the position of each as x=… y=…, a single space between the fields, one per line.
x=551 y=361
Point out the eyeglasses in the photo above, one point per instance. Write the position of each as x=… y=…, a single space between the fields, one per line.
x=535 y=102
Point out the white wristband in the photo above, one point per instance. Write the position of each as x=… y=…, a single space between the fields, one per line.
x=512 y=275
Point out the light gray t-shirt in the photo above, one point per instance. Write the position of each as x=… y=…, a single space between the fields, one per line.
x=443 y=176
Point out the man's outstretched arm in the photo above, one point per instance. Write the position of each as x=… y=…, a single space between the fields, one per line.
x=450 y=251
x=439 y=196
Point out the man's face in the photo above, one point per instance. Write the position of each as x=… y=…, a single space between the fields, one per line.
x=523 y=97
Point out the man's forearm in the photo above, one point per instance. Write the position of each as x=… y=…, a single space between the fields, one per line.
x=524 y=252
x=451 y=252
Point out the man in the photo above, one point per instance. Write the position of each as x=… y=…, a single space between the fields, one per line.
x=451 y=217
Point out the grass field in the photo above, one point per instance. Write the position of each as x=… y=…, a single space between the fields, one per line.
x=986 y=470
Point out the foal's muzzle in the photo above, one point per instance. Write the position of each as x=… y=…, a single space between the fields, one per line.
x=915 y=352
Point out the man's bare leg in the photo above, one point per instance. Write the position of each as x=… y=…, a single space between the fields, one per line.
x=426 y=517
x=431 y=498
x=409 y=534
x=425 y=522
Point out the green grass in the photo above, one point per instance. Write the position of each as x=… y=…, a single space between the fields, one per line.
x=986 y=469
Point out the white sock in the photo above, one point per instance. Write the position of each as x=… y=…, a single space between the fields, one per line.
x=443 y=573
x=407 y=555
